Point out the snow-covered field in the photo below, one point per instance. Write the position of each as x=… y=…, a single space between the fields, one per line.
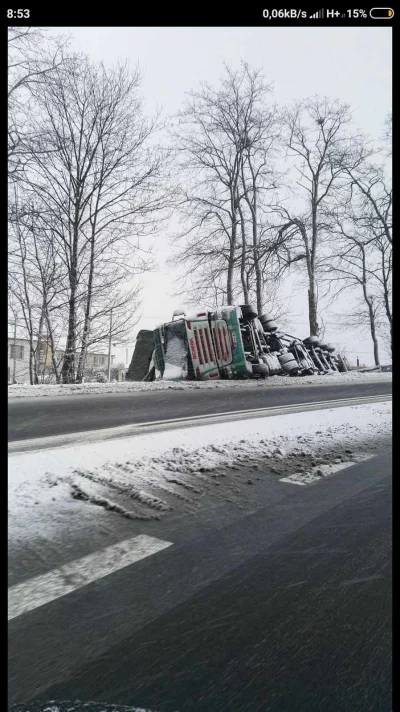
x=27 y=391
x=147 y=476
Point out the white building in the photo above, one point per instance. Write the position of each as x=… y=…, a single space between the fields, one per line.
x=18 y=360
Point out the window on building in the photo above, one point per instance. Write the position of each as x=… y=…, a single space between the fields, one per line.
x=16 y=351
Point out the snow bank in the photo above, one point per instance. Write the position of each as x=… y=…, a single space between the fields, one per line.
x=147 y=476
x=26 y=391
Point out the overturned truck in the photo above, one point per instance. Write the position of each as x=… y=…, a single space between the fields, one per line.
x=229 y=343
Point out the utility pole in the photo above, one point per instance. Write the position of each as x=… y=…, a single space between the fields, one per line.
x=15 y=350
x=109 y=346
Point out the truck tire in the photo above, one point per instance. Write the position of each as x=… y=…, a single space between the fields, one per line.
x=270 y=326
x=261 y=369
x=266 y=317
x=249 y=369
x=249 y=312
x=286 y=358
x=269 y=361
x=290 y=366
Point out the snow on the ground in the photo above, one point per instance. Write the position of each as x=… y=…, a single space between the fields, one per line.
x=27 y=391
x=147 y=476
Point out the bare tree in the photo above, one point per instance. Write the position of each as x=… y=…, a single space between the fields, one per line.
x=29 y=58
x=369 y=180
x=370 y=195
x=260 y=132
x=32 y=56
x=225 y=137
x=211 y=155
x=383 y=274
x=101 y=183
x=372 y=192
x=36 y=279
x=317 y=141
x=351 y=269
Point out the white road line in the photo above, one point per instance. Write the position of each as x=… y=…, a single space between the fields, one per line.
x=38 y=591
x=123 y=431
x=307 y=478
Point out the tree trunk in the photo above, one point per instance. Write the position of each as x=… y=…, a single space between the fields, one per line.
x=259 y=279
x=68 y=367
x=389 y=317
x=312 y=288
x=243 y=258
x=373 y=334
x=370 y=305
x=31 y=361
x=86 y=326
x=312 y=307
x=52 y=347
x=231 y=261
x=386 y=298
x=252 y=205
x=38 y=345
x=372 y=325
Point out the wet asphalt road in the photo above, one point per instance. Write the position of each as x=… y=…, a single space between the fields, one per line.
x=41 y=417
x=286 y=609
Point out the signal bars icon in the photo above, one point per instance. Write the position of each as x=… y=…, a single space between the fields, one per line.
x=317 y=15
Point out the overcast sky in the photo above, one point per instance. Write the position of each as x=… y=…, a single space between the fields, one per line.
x=351 y=64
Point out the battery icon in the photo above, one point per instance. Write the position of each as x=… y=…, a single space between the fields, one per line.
x=381 y=13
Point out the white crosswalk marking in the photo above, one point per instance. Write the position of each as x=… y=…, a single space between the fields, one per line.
x=38 y=591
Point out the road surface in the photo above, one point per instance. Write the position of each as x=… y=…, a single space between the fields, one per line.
x=286 y=608
x=41 y=417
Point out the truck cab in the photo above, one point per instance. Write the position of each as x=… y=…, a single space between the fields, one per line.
x=202 y=346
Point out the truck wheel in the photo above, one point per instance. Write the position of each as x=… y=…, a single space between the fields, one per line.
x=270 y=326
x=261 y=369
x=290 y=366
x=286 y=358
x=249 y=312
x=266 y=317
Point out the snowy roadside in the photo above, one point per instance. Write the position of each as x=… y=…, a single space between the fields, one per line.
x=147 y=476
x=42 y=390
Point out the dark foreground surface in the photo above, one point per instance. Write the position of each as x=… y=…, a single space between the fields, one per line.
x=42 y=417
x=74 y=706
x=288 y=609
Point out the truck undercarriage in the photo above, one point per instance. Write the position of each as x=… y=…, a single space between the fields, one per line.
x=232 y=342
